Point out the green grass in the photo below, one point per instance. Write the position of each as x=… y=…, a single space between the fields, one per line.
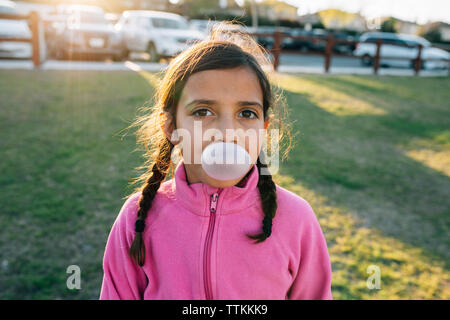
x=372 y=157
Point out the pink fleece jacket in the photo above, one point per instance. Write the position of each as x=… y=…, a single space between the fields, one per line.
x=197 y=248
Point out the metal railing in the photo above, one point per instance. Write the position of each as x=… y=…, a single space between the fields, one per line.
x=34 y=24
x=331 y=41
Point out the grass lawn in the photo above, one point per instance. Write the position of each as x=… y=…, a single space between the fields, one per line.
x=372 y=157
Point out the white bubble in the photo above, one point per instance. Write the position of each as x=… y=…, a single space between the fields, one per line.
x=225 y=161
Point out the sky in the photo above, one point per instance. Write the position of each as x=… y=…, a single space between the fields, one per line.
x=420 y=11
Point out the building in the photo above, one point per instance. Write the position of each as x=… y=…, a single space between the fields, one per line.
x=442 y=27
x=309 y=19
x=159 y=5
x=338 y=20
x=277 y=10
x=402 y=26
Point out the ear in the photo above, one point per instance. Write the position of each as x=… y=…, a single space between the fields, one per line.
x=167 y=125
x=266 y=124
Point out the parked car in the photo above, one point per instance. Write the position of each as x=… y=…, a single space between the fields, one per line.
x=84 y=30
x=112 y=18
x=233 y=28
x=286 y=42
x=401 y=46
x=343 y=47
x=203 y=26
x=269 y=41
x=315 y=42
x=14 y=29
x=160 y=34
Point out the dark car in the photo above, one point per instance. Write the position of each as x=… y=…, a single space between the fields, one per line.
x=343 y=46
x=269 y=41
x=315 y=40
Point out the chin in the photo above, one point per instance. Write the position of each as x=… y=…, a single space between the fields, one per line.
x=222 y=183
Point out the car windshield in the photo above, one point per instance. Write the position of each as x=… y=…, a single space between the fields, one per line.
x=416 y=41
x=7 y=9
x=168 y=23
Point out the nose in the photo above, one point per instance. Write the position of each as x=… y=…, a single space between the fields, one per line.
x=224 y=123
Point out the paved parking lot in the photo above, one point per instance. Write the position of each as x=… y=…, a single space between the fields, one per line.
x=288 y=63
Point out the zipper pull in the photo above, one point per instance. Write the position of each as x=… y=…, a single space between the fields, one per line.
x=213 y=206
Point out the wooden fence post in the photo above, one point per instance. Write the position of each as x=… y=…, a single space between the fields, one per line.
x=376 y=63
x=276 y=49
x=328 y=52
x=34 y=24
x=418 y=60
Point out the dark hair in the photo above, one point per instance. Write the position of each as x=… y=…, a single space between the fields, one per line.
x=221 y=50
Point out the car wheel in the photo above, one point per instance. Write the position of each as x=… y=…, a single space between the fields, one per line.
x=125 y=54
x=121 y=56
x=366 y=60
x=116 y=57
x=154 y=56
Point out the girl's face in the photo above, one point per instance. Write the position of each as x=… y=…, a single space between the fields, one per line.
x=219 y=105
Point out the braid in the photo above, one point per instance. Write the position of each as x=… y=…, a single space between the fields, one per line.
x=151 y=186
x=268 y=193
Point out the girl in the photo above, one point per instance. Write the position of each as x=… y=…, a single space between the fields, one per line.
x=194 y=237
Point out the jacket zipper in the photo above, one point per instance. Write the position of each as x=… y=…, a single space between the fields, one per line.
x=206 y=255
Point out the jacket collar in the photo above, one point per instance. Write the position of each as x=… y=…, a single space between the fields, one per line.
x=196 y=196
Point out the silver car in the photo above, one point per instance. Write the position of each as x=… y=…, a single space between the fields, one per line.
x=160 y=34
x=86 y=32
x=14 y=29
x=399 y=50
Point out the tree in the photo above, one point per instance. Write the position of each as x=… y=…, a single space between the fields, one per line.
x=433 y=35
x=197 y=8
x=318 y=25
x=388 y=25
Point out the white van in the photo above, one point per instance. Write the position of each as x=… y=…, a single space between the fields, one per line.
x=402 y=46
x=161 y=34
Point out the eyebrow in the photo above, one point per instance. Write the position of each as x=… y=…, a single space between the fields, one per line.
x=191 y=104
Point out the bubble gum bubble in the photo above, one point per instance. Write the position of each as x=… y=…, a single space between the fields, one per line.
x=225 y=161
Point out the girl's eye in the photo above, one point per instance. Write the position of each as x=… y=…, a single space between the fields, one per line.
x=247 y=114
x=200 y=112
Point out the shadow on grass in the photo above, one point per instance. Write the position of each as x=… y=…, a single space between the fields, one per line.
x=357 y=161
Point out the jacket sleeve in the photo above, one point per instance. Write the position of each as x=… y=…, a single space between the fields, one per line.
x=313 y=278
x=122 y=278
